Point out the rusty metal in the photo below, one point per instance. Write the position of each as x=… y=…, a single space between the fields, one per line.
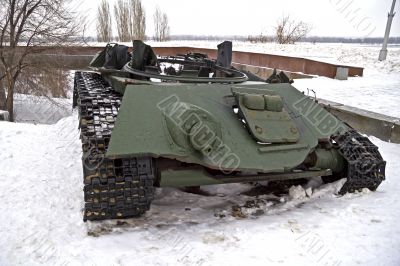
x=286 y=63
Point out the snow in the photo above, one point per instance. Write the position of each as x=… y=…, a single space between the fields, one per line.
x=44 y=109
x=41 y=203
x=41 y=198
x=40 y=109
x=297 y=192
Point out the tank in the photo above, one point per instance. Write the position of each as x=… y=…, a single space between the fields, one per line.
x=148 y=121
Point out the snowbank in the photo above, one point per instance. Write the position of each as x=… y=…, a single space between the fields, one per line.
x=41 y=201
x=41 y=110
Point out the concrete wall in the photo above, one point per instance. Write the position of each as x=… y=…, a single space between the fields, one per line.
x=384 y=127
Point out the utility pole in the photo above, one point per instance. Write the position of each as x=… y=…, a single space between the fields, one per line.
x=383 y=52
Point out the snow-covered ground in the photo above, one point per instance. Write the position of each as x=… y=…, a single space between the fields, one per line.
x=41 y=220
x=41 y=110
x=41 y=197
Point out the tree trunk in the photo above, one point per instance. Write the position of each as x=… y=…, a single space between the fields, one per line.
x=2 y=97
x=10 y=96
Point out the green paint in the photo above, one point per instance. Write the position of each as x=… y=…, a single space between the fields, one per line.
x=144 y=128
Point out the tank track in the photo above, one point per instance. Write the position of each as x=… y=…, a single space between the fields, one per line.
x=113 y=188
x=365 y=165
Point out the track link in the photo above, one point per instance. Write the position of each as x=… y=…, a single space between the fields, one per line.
x=113 y=188
x=365 y=165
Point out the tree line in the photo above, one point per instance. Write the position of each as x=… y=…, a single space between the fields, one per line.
x=130 y=21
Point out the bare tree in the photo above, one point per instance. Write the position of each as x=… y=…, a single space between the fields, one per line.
x=161 y=26
x=26 y=27
x=137 y=20
x=49 y=81
x=157 y=24
x=104 y=26
x=288 y=31
x=262 y=38
x=164 y=28
x=131 y=20
x=2 y=97
x=122 y=15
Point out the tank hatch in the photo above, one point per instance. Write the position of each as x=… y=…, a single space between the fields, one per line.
x=264 y=114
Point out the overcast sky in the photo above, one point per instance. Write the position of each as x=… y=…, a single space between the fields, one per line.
x=348 y=18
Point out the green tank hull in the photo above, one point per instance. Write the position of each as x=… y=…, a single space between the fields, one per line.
x=208 y=124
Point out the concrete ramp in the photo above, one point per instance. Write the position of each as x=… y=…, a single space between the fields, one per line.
x=384 y=127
